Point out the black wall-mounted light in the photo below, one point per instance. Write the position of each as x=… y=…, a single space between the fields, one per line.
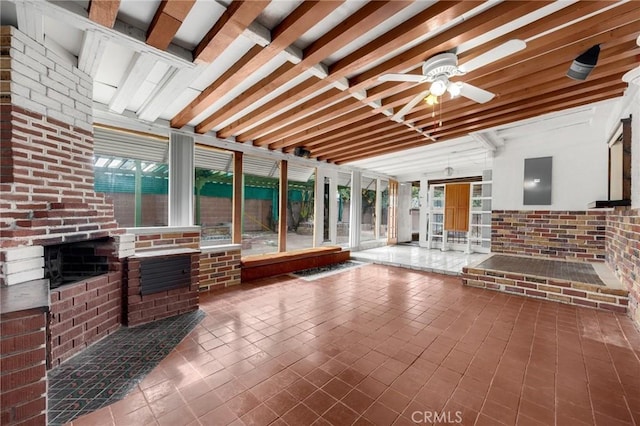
x=582 y=66
x=301 y=152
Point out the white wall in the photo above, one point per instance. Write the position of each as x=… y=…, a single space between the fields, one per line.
x=579 y=170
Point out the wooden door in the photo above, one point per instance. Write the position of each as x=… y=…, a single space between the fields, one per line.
x=456 y=207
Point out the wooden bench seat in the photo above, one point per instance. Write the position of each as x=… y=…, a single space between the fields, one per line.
x=271 y=264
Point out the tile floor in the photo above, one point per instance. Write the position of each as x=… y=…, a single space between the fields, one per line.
x=383 y=345
x=572 y=271
x=418 y=258
x=107 y=371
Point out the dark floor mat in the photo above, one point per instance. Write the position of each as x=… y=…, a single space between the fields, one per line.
x=323 y=271
x=572 y=271
x=107 y=371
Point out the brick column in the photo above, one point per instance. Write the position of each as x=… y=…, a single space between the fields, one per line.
x=23 y=380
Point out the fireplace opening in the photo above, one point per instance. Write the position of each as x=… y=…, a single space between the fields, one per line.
x=72 y=262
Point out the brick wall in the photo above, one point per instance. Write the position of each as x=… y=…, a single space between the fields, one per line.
x=154 y=209
x=83 y=313
x=47 y=166
x=23 y=380
x=557 y=290
x=219 y=268
x=574 y=235
x=256 y=214
x=141 y=309
x=623 y=253
x=160 y=239
x=214 y=210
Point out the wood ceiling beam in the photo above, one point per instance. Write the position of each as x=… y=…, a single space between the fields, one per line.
x=363 y=20
x=290 y=29
x=303 y=110
x=486 y=21
x=238 y=16
x=337 y=110
x=387 y=147
x=469 y=29
x=518 y=76
x=104 y=12
x=167 y=21
x=582 y=35
x=613 y=60
x=422 y=23
x=380 y=144
x=291 y=96
x=370 y=133
x=399 y=133
x=538 y=107
x=557 y=43
x=572 y=12
x=532 y=97
x=428 y=20
x=592 y=88
x=339 y=133
x=359 y=114
x=504 y=119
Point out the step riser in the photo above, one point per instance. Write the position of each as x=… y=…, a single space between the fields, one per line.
x=574 y=293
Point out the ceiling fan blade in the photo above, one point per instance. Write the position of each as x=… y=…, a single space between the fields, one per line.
x=401 y=77
x=631 y=75
x=475 y=93
x=408 y=107
x=505 y=49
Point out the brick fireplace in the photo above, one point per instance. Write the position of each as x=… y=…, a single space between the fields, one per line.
x=49 y=211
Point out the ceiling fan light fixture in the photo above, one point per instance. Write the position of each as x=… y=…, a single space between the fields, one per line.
x=582 y=66
x=455 y=89
x=431 y=99
x=439 y=86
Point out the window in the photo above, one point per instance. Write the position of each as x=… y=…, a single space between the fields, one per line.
x=260 y=213
x=213 y=192
x=300 y=206
x=384 y=208
x=133 y=171
x=344 y=208
x=368 y=218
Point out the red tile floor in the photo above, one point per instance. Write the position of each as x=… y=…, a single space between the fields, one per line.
x=382 y=345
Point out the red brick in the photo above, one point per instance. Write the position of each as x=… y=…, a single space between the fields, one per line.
x=573 y=292
x=22 y=325
x=24 y=394
x=582 y=302
x=20 y=378
x=21 y=343
x=611 y=307
x=23 y=359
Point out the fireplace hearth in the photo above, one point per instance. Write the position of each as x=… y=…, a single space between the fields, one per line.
x=72 y=262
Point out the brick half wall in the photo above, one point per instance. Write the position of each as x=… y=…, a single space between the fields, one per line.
x=23 y=381
x=623 y=253
x=83 y=313
x=142 y=309
x=573 y=235
x=219 y=268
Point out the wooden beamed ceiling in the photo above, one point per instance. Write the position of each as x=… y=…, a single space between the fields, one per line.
x=341 y=112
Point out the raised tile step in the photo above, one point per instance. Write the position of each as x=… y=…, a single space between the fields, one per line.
x=610 y=296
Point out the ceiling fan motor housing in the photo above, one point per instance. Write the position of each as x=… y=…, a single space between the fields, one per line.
x=443 y=64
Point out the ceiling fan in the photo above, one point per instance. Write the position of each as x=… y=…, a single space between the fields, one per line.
x=439 y=69
x=633 y=74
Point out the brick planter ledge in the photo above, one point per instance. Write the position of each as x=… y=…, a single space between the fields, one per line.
x=557 y=290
